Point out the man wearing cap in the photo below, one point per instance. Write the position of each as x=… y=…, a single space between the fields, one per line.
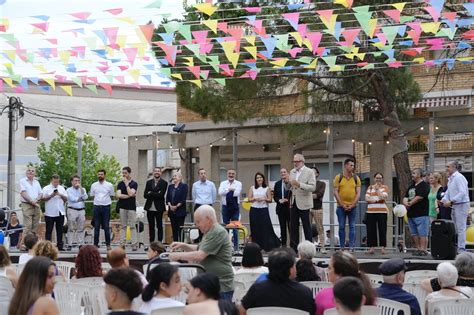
x=393 y=272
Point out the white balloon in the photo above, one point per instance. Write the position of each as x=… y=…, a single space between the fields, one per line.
x=399 y=211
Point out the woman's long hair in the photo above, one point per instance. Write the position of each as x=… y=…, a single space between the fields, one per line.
x=30 y=286
x=88 y=262
x=161 y=273
x=345 y=264
x=264 y=183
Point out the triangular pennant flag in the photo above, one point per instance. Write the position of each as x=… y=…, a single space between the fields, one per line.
x=330 y=61
x=81 y=15
x=220 y=81
x=184 y=30
x=134 y=73
x=431 y=27
x=114 y=11
x=9 y=81
x=212 y=24
x=393 y=14
x=328 y=19
x=252 y=51
x=147 y=31
x=294 y=51
x=435 y=14
x=390 y=33
x=305 y=59
x=399 y=6
x=206 y=8
x=250 y=40
x=177 y=76
x=279 y=62
x=172 y=27
x=106 y=87
x=200 y=36
x=282 y=41
x=292 y=18
x=51 y=82
x=42 y=26
x=350 y=35
x=195 y=70
x=156 y=4
x=364 y=18
x=67 y=89
x=345 y=3
x=313 y=64
x=314 y=38
x=297 y=37
x=197 y=82
x=270 y=44
x=204 y=74
x=131 y=54
x=170 y=52
x=77 y=80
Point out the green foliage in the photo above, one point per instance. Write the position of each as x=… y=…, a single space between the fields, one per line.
x=60 y=157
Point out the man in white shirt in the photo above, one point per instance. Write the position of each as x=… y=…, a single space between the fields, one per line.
x=204 y=191
x=76 y=211
x=102 y=191
x=54 y=196
x=230 y=190
x=457 y=197
x=31 y=194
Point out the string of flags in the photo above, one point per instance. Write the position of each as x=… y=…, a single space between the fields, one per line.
x=305 y=40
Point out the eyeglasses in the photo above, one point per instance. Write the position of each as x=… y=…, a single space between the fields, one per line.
x=297 y=161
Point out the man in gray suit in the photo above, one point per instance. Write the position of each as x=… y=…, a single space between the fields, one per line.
x=303 y=183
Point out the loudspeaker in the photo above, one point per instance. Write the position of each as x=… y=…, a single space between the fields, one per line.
x=443 y=239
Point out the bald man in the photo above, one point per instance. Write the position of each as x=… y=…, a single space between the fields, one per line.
x=117 y=258
x=214 y=252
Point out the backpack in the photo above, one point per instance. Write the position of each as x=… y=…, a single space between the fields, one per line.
x=354 y=176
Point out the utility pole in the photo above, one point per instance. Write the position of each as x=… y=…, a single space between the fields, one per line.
x=79 y=157
x=330 y=148
x=156 y=141
x=15 y=111
x=431 y=145
x=235 y=151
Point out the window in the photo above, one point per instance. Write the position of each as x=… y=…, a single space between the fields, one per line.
x=32 y=133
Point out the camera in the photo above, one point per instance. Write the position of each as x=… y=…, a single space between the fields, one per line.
x=55 y=191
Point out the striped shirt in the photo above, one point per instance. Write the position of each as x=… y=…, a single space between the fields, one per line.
x=377 y=195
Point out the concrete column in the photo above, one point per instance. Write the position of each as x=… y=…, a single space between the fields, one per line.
x=286 y=156
x=209 y=159
x=138 y=162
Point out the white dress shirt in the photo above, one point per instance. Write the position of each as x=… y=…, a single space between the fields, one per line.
x=32 y=188
x=204 y=193
x=76 y=197
x=224 y=189
x=54 y=207
x=457 y=191
x=102 y=192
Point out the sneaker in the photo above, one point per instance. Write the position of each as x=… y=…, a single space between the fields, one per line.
x=424 y=253
x=417 y=253
x=109 y=247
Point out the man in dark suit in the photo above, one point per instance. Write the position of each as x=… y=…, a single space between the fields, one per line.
x=281 y=195
x=155 y=192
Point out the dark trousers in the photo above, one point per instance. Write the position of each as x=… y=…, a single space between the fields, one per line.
x=50 y=223
x=155 y=218
x=376 y=221
x=101 y=217
x=231 y=215
x=295 y=216
x=284 y=219
x=176 y=224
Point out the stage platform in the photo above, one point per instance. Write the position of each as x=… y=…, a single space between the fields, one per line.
x=368 y=262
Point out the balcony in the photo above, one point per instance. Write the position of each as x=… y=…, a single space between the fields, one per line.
x=443 y=144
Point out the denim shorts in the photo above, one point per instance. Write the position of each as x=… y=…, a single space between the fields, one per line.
x=419 y=226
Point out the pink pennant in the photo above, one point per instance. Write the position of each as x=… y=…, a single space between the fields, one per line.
x=362 y=64
x=302 y=29
x=131 y=54
x=227 y=71
x=79 y=51
x=93 y=79
x=393 y=14
x=429 y=63
x=194 y=70
x=114 y=11
x=320 y=51
x=19 y=89
x=81 y=15
x=222 y=26
x=381 y=37
x=181 y=42
x=106 y=87
x=259 y=29
x=294 y=51
x=205 y=48
x=253 y=9
x=42 y=26
x=236 y=33
x=60 y=78
x=147 y=31
x=205 y=74
x=451 y=16
x=111 y=33
x=415 y=35
x=395 y=64
x=170 y=52
x=292 y=18
x=83 y=79
x=120 y=78
x=435 y=14
x=53 y=41
x=350 y=35
x=325 y=14
x=123 y=68
x=468 y=35
x=314 y=38
x=103 y=69
x=200 y=36
x=409 y=52
x=435 y=43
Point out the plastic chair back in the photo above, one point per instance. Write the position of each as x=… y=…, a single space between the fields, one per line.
x=451 y=307
x=275 y=311
x=389 y=307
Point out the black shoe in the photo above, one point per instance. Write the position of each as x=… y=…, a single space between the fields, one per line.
x=61 y=249
x=417 y=253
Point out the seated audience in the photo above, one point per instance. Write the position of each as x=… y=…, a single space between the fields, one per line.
x=465 y=265
x=393 y=272
x=342 y=264
x=33 y=293
x=305 y=271
x=154 y=250
x=165 y=283
x=15 y=230
x=280 y=290
x=447 y=278
x=204 y=297
x=30 y=240
x=349 y=296
x=47 y=249
x=6 y=268
x=117 y=258
x=88 y=262
x=252 y=260
x=307 y=250
x=122 y=285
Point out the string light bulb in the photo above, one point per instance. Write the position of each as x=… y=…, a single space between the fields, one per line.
x=436 y=127
x=388 y=141
x=197 y=149
x=353 y=140
x=171 y=146
x=136 y=138
x=422 y=128
x=224 y=138
x=124 y=139
x=210 y=145
x=370 y=143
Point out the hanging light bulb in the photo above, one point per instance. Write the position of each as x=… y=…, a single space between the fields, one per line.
x=197 y=149
x=353 y=140
x=124 y=139
x=136 y=138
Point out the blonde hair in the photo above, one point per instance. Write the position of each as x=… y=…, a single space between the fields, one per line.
x=437 y=177
x=46 y=249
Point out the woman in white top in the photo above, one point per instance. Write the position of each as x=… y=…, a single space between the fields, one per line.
x=164 y=283
x=261 y=227
x=6 y=268
x=252 y=260
x=447 y=278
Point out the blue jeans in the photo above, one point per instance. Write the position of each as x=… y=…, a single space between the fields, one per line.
x=228 y=216
x=101 y=217
x=341 y=218
x=227 y=296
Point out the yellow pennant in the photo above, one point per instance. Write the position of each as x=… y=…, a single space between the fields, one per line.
x=212 y=24
x=420 y=60
x=234 y=59
x=9 y=81
x=297 y=37
x=279 y=63
x=126 y=20
x=252 y=51
x=64 y=56
x=345 y=3
x=250 y=40
x=134 y=73
x=372 y=27
x=308 y=44
x=121 y=40
x=190 y=61
x=399 y=6
x=51 y=82
x=67 y=89
x=177 y=76
x=313 y=64
x=431 y=27
x=336 y=68
x=197 y=82
x=110 y=51
x=206 y=8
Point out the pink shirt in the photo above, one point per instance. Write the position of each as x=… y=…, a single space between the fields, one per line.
x=324 y=300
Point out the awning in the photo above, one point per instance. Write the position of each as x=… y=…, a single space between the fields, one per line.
x=444 y=103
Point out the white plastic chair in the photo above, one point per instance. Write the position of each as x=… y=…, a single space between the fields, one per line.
x=89 y=281
x=418 y=292
x=389 y=307
x=177 y=310
x=66 y=267
x=451 y=307
x=366 y=310
x=317 y=286
x=106 y=267
x=375 y=280
x=275 y=311
x=99 y=303
x=69 y=297
x=416 y=276
x=6 y=293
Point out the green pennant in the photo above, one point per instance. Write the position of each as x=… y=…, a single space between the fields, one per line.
x=347 y=49
x=110 y=78
x=404 y=19
x=306 y=60
x=8 y=37
x=214 y=62
x=282 y=41
x=330 y=61
x=220 y=81
x=92 y=87
x=361 y=9
x=390 y=32
x=369 y=66
x=185 y=30
x=202 y=58
x=77 y=80
x=194 y=48
x=446 y=32
x=377 y=54
x=16 y=77
x=364 y=20
x=386 y=47
x=172 y=27
x=155 y=4
x=165 y=71
x=30 y=57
